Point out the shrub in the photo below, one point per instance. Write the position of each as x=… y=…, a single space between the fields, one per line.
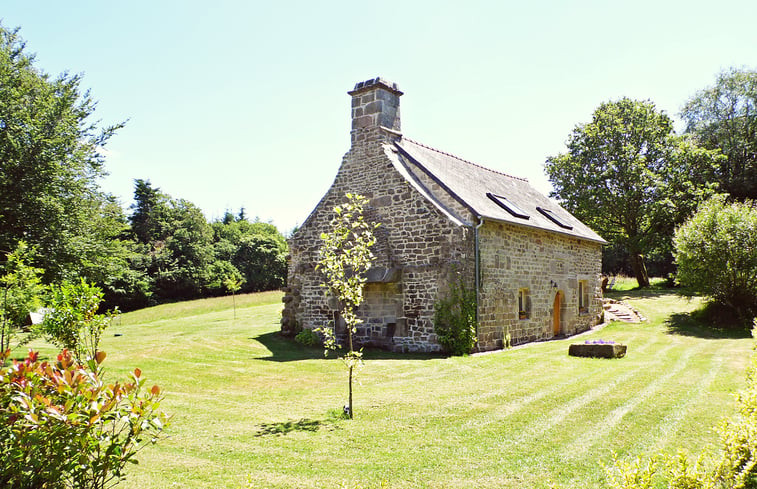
x=73 y=322
x=61 y=426
x=716 y=252
x=308 y=337
x=455 y=320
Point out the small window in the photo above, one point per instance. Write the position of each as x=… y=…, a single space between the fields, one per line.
x=554 y=218
x=583 y=297
x=524 y=304
x=508 y=206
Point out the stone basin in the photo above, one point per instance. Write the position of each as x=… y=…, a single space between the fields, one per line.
x=597 y=350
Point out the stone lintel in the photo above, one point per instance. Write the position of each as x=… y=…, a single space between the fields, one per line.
x=383 y=275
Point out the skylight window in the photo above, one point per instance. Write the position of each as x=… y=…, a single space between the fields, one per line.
x=508 y=206
x=554 y=218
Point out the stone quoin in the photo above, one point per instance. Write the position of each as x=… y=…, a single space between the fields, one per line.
x=534 y=266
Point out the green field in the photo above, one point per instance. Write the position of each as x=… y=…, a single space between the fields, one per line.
x=253 y=410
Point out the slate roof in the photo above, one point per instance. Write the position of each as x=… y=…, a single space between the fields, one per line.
x=471 y=185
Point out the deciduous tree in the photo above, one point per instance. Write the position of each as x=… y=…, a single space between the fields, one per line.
x=724 y=116
x=51 y=157
x=628 y=176
x=345 y=257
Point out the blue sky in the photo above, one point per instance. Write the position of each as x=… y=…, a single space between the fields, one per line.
x=243 y=104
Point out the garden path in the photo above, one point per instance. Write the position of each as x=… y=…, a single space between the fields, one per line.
x=621 y=312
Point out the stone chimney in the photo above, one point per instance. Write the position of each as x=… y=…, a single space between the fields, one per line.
x=375 y=111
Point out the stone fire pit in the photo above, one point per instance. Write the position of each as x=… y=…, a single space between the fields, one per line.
x=597 y=349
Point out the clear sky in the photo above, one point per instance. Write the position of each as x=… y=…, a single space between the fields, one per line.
x=243 y=103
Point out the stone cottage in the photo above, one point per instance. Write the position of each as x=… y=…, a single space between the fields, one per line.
x=535 y=268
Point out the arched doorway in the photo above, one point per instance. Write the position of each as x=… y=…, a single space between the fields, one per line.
x=556 y=318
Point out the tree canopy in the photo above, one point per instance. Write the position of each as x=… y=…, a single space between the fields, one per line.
x=627 y=175
x=724 y=116
x=51 y=156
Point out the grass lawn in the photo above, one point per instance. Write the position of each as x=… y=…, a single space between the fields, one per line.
x=248 y=405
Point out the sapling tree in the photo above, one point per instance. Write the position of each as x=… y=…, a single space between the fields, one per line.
x=73 y=322
x=21 y=290
x=344 y=258
x=233 y=284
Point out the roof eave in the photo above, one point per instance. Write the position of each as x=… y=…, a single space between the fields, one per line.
x=597 y=240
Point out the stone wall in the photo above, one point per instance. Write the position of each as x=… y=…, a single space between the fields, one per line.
x=416 y=244
x=417 y=247
x=545 y=264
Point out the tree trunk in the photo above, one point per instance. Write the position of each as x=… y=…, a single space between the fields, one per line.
x=640 y=269
x=4 y=325
x=349 y=339
x=350 y=401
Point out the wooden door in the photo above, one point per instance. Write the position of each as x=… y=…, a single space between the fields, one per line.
x=556 y=315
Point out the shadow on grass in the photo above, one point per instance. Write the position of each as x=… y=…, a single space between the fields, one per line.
x=641 y=293
x=305 y=424
x=286 y=350
x=18 y=356
x=694 y=324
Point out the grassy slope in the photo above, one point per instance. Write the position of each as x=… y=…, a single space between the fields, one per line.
x=248 y=404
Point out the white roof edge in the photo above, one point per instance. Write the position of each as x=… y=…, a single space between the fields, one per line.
x=393 y=156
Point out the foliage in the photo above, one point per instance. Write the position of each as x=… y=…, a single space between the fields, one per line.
x=455 y=319
x=638 y=474
x=21 y=291
x=61 y=426
x=724 y=117
x=182 y=256
x=308 y=337
x=73 y=322
x=262 y=261
x=344 y=258
x=256 y=249
x=177 y=246
x=149 y=212
x=734 y=467
x=131 y=288
x=716 y=252
x=629 y=177
x=233 y=283
x=51 y=156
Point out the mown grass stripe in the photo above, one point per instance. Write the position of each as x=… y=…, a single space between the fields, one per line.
x=589 y=437
x=660 y=436
x=552 y=419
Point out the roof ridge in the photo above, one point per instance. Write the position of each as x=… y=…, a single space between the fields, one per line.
x=463 y=160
